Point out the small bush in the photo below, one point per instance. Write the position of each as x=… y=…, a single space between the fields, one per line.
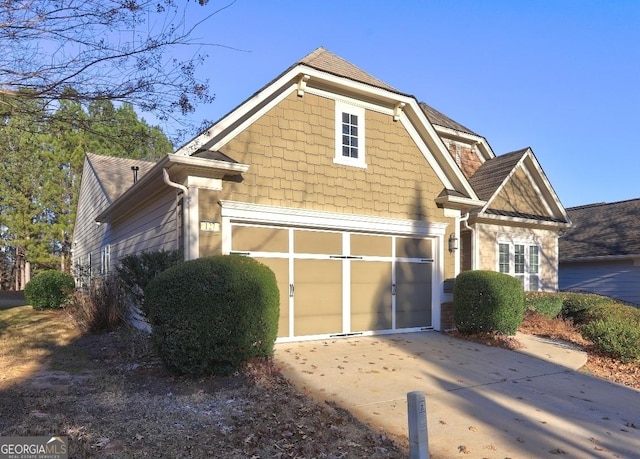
x=546 y=304
x=614 y=336
x=101 y=307
x=136 y=271
x=486 y=302
x=211 y=314
x=612 y=310
x=575 y=305
x=49 y=290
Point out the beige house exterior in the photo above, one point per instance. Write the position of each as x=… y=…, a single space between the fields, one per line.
x=360 y=198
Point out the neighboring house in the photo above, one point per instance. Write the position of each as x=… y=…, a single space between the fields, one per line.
x=601 y=253
x=360 y=198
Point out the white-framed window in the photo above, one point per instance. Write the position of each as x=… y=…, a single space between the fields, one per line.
x=105 y=260
x=350 y=129
x=521 y=260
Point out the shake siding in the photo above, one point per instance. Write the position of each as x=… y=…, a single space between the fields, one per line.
x=150 y=229
x=519 y=195
x=88 y=236
x=489 y=235
x=619 y=279
x=291 y=150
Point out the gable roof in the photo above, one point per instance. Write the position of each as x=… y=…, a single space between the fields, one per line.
x=326 y=61
x=322 y=72
x=114 y=174
x=495 y=174
x=602 y=230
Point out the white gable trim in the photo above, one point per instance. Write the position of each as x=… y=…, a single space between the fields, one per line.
x=378 y=99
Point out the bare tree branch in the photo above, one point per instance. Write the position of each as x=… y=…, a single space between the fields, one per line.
x=137 y=51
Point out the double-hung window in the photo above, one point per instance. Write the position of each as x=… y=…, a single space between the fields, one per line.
x=349 y=135
x=521 y=260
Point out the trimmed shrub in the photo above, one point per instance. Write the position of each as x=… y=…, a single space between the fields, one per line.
x=136 y=271
x=575 y=305
x=99 y=308
x=543 y=303
x=49 y=289
x=211 y=314
x=487 y=302
x=614 y=328
x=614 y=336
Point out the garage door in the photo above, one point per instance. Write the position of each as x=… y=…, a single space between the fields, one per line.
x=339 y=283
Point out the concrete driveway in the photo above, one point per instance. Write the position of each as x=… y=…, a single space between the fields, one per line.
x=482 y=401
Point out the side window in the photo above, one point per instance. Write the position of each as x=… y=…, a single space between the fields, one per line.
x=105 y=265
x=524 y=264
x=503 y=256
x=350 y=130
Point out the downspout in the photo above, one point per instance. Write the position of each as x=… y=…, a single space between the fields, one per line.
x=185 y=192
x=465 y=220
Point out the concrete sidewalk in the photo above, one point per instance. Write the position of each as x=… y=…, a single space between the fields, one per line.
x=482 y=401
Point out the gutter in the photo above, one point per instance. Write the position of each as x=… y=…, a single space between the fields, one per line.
x=185 y=193
x=474 y=257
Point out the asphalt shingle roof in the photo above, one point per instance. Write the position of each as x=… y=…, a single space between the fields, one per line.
x=115 y=174
x=602 y=229
x=493 y=172
x=324 y=60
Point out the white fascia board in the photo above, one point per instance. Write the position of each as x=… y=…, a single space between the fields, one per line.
x=493 y=218
x=260 y=213
x=235 y=115
x=459 y=202
x=204 y=163
x=287 y=83
x=439 y=147
x=550 y=192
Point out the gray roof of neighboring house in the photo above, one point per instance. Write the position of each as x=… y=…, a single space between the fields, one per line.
x=115 y=174
x=602 y=230
x=493 y=172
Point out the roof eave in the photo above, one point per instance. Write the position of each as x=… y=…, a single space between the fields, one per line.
x=153 y=181
x=458 y=202
x=483 y=217
x=600 y=258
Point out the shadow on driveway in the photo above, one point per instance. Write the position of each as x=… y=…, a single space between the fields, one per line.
x=481 y=401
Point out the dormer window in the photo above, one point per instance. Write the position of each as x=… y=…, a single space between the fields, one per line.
x=349 y=135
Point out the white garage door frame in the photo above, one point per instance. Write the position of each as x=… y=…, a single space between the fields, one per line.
x=233 y=212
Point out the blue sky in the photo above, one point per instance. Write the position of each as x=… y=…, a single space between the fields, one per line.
x=562 y=77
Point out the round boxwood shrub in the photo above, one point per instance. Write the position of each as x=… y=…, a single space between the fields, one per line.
x=49 y=289
x=211 y=314
x=487 y=302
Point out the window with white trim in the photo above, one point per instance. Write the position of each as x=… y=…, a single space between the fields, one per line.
x=105 y=260
x=522 y=261
x=349 y=135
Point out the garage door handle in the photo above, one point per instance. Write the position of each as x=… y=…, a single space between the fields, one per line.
x=393 y=289
x=291 y=289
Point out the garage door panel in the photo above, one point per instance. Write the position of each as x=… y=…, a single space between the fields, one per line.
x=407 y=247
x=280 y=267
x=259 y=239
x=370 y=245
x=370 y=296
x=317 y=297
x=318 y=242
x=413 y=295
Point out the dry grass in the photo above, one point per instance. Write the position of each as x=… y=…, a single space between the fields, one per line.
x=112 y=397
